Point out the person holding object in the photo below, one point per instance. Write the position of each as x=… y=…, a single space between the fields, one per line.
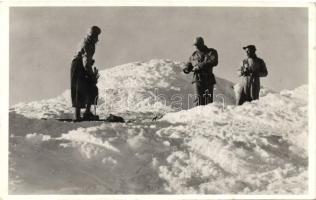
x=250 y=71
x=84 y=76
x=201 y=63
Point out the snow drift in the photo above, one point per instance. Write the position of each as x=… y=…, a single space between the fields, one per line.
x=154 y=87
x=257 y=148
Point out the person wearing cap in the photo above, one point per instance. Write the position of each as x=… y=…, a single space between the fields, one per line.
x=250 y=71
x=84 y=77
x=201 y=64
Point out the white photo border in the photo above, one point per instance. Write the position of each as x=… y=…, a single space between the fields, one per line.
x=4 y=90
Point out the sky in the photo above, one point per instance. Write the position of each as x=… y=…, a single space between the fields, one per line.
x=43 y=41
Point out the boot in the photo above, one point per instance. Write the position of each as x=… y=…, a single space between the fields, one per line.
x=89 y=116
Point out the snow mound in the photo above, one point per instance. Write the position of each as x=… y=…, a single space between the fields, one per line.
x=257 y=148
x=156 y=86
x=243 y=149
x=104 y=159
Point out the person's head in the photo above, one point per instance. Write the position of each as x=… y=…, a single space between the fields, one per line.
x=94 y=33
x=198 y=43
x=250 y=50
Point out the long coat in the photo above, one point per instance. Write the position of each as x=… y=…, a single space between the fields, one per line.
x=83 y=89
x=250 y=71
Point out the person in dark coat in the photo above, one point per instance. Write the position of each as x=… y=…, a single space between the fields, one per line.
x=84 y=91
x=201 y=63
x=250 y=71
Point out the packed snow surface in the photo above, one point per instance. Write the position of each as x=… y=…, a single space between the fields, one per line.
x=257 y=148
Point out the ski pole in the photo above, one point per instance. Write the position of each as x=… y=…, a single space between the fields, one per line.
x=95 y=105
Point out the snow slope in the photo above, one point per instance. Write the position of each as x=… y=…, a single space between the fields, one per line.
x=257 y=148
x=260 y=147
x=156 y=86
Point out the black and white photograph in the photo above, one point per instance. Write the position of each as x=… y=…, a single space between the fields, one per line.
x=160 y=100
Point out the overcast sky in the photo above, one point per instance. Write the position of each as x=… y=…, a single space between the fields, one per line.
x=43 y=41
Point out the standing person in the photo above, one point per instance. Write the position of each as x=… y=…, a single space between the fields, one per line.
x=84 y=77
x=252 y=68
x=201 y=63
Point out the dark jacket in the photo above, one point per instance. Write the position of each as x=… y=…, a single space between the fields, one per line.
x=202 y=63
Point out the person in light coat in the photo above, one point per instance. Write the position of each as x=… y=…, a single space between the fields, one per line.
x=250 y=71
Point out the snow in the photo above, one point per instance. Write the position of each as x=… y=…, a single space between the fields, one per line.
x=37 y=138
x=250 y=148
x=156 y=86
x=257 y=148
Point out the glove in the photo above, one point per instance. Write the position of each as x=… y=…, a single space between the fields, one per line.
x=186 y=71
